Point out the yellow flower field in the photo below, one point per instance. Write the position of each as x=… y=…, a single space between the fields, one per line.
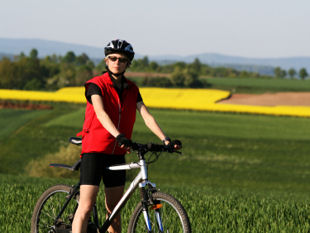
x=75 y=95
x=191 y=99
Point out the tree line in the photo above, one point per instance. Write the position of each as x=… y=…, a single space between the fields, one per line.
x=183 y=74
x=52 y=72
x=292 y=73
x=29 y=72
x=189 y=75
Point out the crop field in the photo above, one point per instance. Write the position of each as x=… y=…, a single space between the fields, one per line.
x=237 y=173
x=241 y=85
x=258 y=85
x=184 y=99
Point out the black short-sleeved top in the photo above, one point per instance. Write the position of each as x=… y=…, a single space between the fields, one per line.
x=93 y=89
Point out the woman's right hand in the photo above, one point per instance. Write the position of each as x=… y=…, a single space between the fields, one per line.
x=123 y=142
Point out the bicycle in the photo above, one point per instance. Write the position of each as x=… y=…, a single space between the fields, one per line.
x=156 y=212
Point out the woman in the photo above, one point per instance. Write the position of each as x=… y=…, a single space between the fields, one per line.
x=112 y=101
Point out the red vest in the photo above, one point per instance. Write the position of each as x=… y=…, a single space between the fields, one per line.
x=95 y=138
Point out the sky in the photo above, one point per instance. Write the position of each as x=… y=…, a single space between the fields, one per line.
x=248 y=28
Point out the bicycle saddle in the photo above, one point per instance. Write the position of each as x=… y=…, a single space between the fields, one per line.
x=75 y=140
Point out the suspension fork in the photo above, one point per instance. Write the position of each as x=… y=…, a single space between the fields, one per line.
x=144 y=201
x=147 y=200
x=156 y=207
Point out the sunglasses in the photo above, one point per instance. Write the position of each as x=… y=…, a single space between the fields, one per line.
x=120 y=59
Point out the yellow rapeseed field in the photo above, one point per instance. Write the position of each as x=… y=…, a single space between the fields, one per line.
x=63 y=95
x=191 y=99
x=195 y=99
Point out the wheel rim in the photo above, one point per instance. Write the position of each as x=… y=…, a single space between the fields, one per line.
x=171 y=221
x=49 y=210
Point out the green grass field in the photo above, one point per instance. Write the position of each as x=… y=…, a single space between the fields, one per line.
x=251 y=85
x=258 y=85
x=237 y=173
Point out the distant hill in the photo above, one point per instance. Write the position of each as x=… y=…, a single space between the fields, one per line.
x=46 y=47
x=12 y=47
x=242 y=63
x=10 y=56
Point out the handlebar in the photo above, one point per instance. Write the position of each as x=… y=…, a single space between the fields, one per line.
x=143 y=148
x=151 y=147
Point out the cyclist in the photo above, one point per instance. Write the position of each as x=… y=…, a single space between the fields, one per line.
x=112 y=101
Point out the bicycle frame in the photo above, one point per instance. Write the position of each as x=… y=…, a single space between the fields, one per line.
x=140 y=180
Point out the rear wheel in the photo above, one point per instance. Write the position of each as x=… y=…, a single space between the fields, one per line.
x=172 y=214
x=49 y=206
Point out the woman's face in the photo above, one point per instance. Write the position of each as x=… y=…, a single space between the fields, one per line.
x=117 y=63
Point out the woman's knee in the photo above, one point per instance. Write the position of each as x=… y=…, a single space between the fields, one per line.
x=88 y=196
x=85 y=207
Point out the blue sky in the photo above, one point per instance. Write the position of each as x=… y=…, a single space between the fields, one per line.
x=250 y=28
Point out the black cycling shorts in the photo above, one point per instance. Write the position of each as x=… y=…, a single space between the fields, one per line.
x=93 y=169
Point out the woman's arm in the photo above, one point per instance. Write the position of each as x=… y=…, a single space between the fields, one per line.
x=102 y=116
x=150 y=121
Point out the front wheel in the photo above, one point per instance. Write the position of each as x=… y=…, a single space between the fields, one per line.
x=49 y=206
x=166 y=214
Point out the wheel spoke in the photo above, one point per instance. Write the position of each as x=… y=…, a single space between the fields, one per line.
x=166 y=215
x=49 y=207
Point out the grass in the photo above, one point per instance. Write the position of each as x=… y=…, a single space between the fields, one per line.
x=251 y=85
x=27 y=138
x=237 y=173
x=209 y=210
x=13 y=120
x=258 y=85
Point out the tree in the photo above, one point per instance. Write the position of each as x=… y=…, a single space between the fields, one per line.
x=83 y=73
x=292 y=72
x=179 y=65
x=82 y=59
x=145 y=62
x=69 y=57
x=279 y=73
x=191 y=78
x=140 y=64
x=303 y=73
x=219 y=72
x=156 y=82
x=154 y=66
x=34 y=54
x=33 y=84
x=196 y=65
x=7 y=73
x=100 y=67
x=178 y=78
x=20 y=56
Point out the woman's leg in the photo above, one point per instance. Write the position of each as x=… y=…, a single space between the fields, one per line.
x=88 y=194
x=112 y=196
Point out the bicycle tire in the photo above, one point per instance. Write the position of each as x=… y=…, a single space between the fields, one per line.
x=173 y=215
x=47 y=208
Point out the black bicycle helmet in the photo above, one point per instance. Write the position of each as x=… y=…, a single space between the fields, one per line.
x=120 y=46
